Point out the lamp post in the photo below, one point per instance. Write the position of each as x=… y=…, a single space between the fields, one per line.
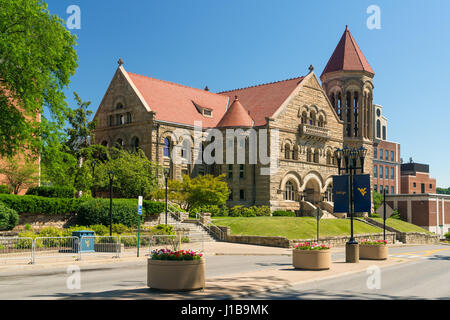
x=93 y=163
x=350 y=157
x=111 y=179
x=166 y=176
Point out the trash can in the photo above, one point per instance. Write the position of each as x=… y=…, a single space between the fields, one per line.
x=85 y=244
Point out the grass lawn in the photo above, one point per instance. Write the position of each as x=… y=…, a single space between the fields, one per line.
x=293 y=227
x=401 y=225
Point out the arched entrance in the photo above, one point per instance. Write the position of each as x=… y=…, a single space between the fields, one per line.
x=312 y=192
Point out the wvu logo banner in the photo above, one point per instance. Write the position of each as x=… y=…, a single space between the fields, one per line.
x=340 y=194
x=361 y=193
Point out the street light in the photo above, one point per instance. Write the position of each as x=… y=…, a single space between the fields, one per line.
x=93 y=163
x=111 y=178
x=166 y=176
x=350 y=165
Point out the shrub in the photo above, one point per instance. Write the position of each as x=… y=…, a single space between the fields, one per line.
x=40 y=205
x=447 y=236
x=120 y=228
x=282 y=213
x=8 y=217
x=96 y=211
x=215 y=211
x=50 y=232
x=261 y=211
x=153 y=207
x=52 y=192
x=236 y=211
x=4 y=189
x=28 y=227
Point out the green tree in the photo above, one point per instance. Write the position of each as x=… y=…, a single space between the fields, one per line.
x=80 y=134
x=37 y=59
x=205 y=190
x=134 y=174
x=19 y=176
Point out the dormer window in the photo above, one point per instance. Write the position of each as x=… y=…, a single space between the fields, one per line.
x=207 y=112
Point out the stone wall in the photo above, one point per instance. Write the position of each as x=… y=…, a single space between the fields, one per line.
x=340 y=241
x=418 y=238
x=39 y=221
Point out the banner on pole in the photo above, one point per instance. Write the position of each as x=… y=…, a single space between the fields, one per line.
x=340 y=194
x=361 y=193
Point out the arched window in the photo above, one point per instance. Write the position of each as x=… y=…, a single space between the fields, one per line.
x=289 y=191
x=186 y=149
x=312 y=120
x=119 y=143
x=316 y=156
x=378 y=129
x=304 y=117
x=321 y=122
x=309 y=155
x=287 y=151
x=295 y=153
x=329 y=157
x=167 y=147
x=135 y=144
x=119 y=106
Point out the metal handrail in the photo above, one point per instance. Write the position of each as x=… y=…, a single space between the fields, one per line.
x=198 y=217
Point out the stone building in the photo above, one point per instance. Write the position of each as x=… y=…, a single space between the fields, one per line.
x=302 y=121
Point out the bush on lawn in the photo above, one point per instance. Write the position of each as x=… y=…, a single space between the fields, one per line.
x=96 y=211
x=4 y=189
x=52 y=192
x=8 y=217
x=215 y=211
x=254 y=211
x=282 y=213
x=447 y=236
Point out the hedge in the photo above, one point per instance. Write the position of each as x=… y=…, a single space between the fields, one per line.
x=53 y=206
x=254 y=211
x=40 y=205
x=281 y=213
x=8 y=217
x=124 y=211
x=52 y=192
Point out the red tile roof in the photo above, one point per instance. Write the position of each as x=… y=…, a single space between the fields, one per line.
x=236 y=116
x=177 y=103
x=264 y=100
x=347 y=56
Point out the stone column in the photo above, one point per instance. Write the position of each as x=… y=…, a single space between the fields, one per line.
x=361 y=105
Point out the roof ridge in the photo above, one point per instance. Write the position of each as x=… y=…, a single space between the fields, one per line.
x=260 y=85
x=173 y=83
x=356 y=47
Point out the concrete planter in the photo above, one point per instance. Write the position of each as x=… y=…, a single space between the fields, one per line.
x=173 y=275
x=311 y=259
x=373 y=252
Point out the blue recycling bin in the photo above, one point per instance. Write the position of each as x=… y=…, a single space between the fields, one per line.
x=86 y=244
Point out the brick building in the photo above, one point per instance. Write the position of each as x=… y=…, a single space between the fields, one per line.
x=386 y=156
x=301 y=120
x=429 y=211
x=415 y=179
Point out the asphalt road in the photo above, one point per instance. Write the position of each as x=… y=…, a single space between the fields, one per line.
x=427 y=276
x=52 y=284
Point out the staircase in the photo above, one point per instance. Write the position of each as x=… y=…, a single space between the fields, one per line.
x=191 y=228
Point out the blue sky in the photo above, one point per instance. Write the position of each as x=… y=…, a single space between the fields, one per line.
x=228 y=44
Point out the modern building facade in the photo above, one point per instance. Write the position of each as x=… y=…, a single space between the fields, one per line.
x=301 y=120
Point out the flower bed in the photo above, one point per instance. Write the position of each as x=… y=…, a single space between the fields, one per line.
x=176 y=270
x=311 y=256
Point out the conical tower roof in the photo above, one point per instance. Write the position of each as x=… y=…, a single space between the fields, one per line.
x=347 y=56
x=236 y=116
